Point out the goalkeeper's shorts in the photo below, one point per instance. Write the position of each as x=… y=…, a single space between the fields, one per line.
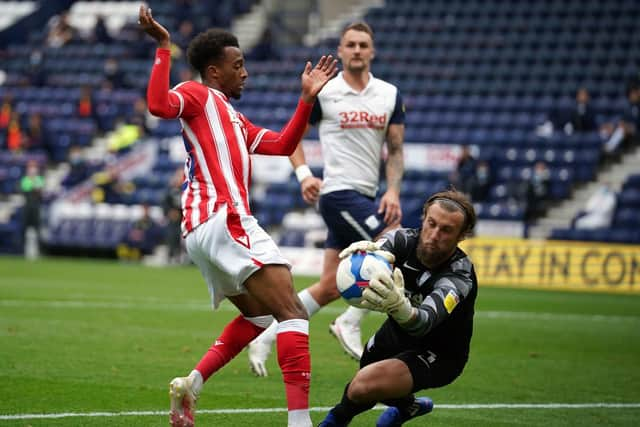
x=428 y=368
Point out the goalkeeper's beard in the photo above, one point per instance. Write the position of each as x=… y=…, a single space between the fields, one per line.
x=431 y=256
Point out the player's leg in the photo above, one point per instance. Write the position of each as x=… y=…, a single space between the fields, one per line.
x=184 y=391
x=260 y=348
x=313 y=298
x=427 y=370
x=379 y=381
x=350 y=216
x=225 y=264
x=272 y=287
x=346 y=328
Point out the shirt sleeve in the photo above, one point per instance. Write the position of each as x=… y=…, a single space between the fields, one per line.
x=169 y=103
x=316 y=113
x=283 y=143
x=398 y=115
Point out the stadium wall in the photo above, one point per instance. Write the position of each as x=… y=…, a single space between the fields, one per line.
x=560 y=265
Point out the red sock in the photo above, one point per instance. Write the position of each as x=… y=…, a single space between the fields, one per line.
x=235 y=336
x=295 y=361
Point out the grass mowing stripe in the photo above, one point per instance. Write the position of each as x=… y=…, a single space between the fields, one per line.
x=154 y=305
x=325 y=409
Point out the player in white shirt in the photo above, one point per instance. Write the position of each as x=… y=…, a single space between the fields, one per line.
x=357 y=113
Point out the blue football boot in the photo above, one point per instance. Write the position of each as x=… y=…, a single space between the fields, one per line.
x=391 y=417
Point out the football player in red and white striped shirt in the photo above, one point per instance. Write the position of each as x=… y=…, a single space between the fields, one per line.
x=237 y=258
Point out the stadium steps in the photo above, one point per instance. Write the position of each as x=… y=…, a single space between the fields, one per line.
x=250 y=26
x=333 y=17
x=560 y=216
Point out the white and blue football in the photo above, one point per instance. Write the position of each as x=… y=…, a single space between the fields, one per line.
x=354 y=273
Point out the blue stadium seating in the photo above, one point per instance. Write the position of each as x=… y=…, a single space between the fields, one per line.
x=473 y=72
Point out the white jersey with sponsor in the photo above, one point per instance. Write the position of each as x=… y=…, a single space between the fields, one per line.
x=353 y=128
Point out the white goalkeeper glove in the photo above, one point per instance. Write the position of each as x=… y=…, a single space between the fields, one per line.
x=367 y=246
x=386 y=294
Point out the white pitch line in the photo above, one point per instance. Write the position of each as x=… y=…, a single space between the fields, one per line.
x=323 y=409
x=154 y=304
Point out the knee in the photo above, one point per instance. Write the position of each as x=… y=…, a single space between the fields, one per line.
x=292 y=309
x=360 y=390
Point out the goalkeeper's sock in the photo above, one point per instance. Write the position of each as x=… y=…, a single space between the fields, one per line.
x=295 y=362
x=235 y=336
x=344 y=411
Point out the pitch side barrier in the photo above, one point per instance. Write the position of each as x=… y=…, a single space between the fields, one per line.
x=561 y=265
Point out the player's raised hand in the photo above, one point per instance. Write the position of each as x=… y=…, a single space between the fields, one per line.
x=152 y=27
x=314 y=78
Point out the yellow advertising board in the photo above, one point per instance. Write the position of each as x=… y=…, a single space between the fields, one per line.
x=584 y=266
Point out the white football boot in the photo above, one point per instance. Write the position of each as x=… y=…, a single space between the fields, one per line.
x=183 y=402
x=348 y=334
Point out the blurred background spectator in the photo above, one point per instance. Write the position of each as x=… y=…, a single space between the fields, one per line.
x=31 y=186
x=100 y=32
x=481 y=181
x=624 y=131
x=538 y=190
x=173 y=215
x=461 y=178
x=578 y=117
x=141 y=238
x=15 y=135
x=35 y=136
x=6 y=108
x=599 y=209
x=60 y=31
x=79 y=169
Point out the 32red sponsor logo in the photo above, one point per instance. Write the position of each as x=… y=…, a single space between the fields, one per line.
x=362 y=119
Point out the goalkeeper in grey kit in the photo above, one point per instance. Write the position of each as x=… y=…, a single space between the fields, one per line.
x=429 y=298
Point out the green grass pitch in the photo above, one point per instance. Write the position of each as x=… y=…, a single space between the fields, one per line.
x=95 y=343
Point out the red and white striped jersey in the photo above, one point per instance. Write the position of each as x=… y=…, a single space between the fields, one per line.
x=218 y=141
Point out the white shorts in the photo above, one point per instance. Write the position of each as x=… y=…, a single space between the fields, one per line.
x=228 y=249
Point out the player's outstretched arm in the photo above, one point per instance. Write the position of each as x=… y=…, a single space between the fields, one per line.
x=314 y=78
x=160 y=101
x=153 y=28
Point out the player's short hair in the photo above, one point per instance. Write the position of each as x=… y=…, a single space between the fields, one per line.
x=451 y=201
x=208 y=48
x=358 y=26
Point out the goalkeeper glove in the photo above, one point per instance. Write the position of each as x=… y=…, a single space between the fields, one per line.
x=367 y=246
x=386 y=294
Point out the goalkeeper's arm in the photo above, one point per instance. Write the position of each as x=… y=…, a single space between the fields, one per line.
x=386 y=294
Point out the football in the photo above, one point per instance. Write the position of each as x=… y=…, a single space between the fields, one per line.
x=354 y=273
